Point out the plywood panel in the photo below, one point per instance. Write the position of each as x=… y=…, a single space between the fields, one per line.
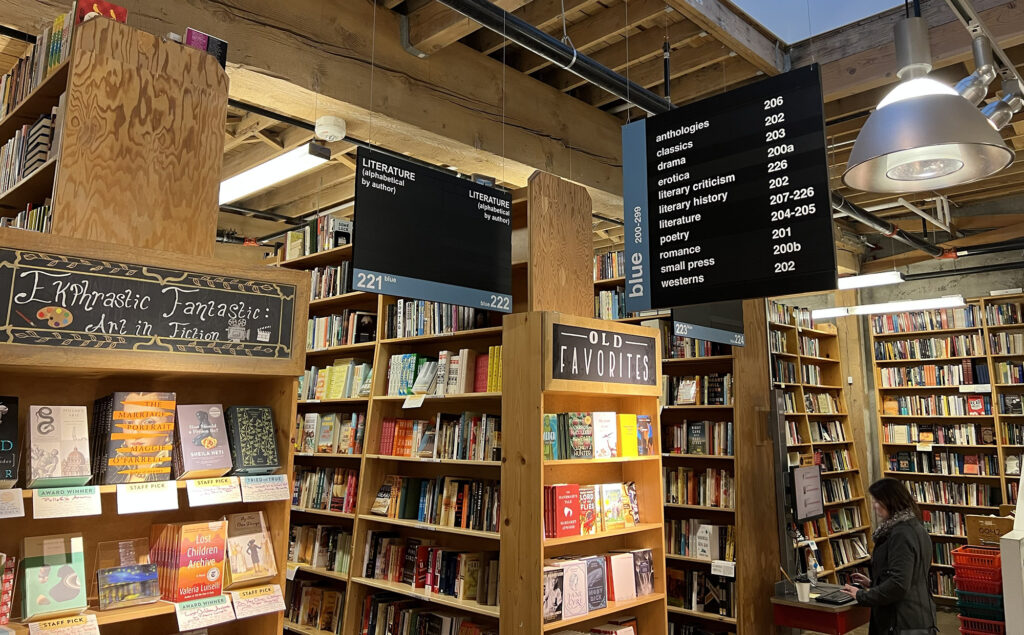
x=143 y=136
x=561 y=249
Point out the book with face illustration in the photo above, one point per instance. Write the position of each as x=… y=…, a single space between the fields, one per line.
x=249 y=550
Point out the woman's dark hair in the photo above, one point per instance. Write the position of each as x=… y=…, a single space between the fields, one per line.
x=894 y=497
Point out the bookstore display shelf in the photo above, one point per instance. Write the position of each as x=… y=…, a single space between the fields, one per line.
x=956 y=505
x=853 y=563
x=824 y=387
x=342 y=350
x=469 y=606
x=855 y=499
x=420 y=459
x=913 y=334
x=454 y=397
x=614 y=459
x=328 y=455
x=703 y=508
x=845 y=532
x=942 y=566
x=698 y=407
x=350 y=299
x=975 y=446
x=816 y=359
x=453 y=336
x=609 y=283
x=566 y=540
x=322 y=512
x=320 y=258
x=719 y=457
x=947 y=536
x=32 y=189
x=885 y=416
x=919 y=360
x=1007 y=355
x=320 y=571
x=1005 y=327
x=691 y=360
x=780 y=325
x=292 y=627
x=901 y=388
x=104 y=489
x=827 y=473
x=612 y=608
x=1008 y=385
x=348 y=400
x=896 y=473
x=116 y=616
x=702 y=615
x=783 y=354
x=825 y=443
x=42 y=98
x=681 y=558
x=813 y=332
x=415 y=524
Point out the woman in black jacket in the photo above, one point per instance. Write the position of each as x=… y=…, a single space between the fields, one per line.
x=897 y=592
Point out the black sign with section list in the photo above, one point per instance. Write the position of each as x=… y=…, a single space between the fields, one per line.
x=727 y=198
x=59 y=300
x=584 y=354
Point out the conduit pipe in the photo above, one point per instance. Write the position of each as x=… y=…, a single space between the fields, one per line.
x=533 y=39
x=840 y=204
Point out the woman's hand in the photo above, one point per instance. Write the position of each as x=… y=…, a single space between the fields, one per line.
x=861 y=579
x=850 y=590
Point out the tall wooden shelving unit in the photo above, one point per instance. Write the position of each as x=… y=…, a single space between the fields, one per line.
x=795 y=343
x=1005 y=423
x=756 y=542
x=990 y=424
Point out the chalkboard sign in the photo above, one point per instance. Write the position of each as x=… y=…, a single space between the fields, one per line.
x=595 y=355
x=57 y=300
x=427 y=234
x=728 y=198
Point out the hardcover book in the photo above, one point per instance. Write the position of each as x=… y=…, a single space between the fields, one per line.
x=621 y=580
x=134 y=436
x=627 y=439
x=190 y=557
x=250 y=551
x=612 y=506
x=590 y=514
x=567 y=510
x=202 y=450
x=645 y=436
x=53 y=576
x=253 y=440
x=581 y=435
x=574 y=588
x=550 y=432
x=605 y=435
x=597 y=584
x=58 y=445
x=552 y=596
x=10 y=449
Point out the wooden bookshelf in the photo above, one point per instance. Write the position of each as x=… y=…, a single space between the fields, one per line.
x=992 y=425
x=807 y=364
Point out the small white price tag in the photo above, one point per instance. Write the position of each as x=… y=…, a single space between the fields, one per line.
x=12 y=503
x=924 y=447
x=213 y=491
x=74 y=625
x=205 y=612
x=136 y=498
x=413 y=401
x=261 y=489
x=723 y=568
x=257 y=600
x=62 y=502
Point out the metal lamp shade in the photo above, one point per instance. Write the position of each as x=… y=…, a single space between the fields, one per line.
x=938 y=133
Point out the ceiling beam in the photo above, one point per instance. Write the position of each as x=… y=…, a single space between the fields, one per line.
x=1009 y=232
x=302 y=186
x=733 y=30
x=543 y=14
x=241 y=159
x=434 y=26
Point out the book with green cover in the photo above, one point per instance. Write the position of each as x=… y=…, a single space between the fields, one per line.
x=53 y=576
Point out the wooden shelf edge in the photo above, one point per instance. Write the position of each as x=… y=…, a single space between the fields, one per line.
x=701 y=615
x=437 y=598
x=613 y=607
x=415 y=524
x=454 y=335
x=416 y=459
x=554 y=542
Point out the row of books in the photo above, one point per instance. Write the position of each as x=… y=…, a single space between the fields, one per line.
x=1003 y=313
x=784 y=314
x=574 y=586
x=327 y=547
x=422 y=564
x=1012 y=490
x=967 y=345
x=811 y=374
x=26 y=151
x=715 y=389
x=469 y=436
x=960 y=374
x=344 y=379
x=836 y=489
x=942 y=583
x=50 y=49
x=947 y=493
x=679 y=347
x=822 y=403
x=939 y=434
x=597 y=435
x=312 y=604
x=848 y=549
x=135 y=437
x=791 y=402
x=413 y=318
x=844 y=519
x=701 y=591
x=707 y=488
x=330 y=281
x=827 y=431
x=1010 y=372
x=447 y=501
x=447 y=374
x=389 y=613
x=610 y=304
x=611 y=264
x=699 y=437
x=944 y=523
x=937 y=405
x=319 y=234
x=810 y=346
x=950 y=463
x=930 y=320
x=783 y=371
x=571 y=509
x=700 y=539
x=834 y=460
x=348 y=327
x=1013 y=433
x=332 y=433
x=793 y=436
x=1006 y=343
x=325 y=488
x=942 y=552
x=777 y=341
x=36 y=218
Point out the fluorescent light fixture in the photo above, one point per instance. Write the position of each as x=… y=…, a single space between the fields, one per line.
x=871 y=280
x=280 y=168
x=834 y=312
x=945 y=302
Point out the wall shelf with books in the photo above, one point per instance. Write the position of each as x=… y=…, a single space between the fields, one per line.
x=806 y=366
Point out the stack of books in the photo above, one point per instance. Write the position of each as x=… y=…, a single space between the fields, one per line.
x=320 y=234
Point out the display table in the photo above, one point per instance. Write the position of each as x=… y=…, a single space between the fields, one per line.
x=790 y=612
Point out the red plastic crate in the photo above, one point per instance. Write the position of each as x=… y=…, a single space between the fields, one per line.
x=979 y=574
x=980 y=557
x=975 y=626
x=993 y=587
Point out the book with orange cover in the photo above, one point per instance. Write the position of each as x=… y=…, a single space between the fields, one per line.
x=190 y=559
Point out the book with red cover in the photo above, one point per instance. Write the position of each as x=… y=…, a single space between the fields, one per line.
x=971 y=464
x=567 y=510
x=975 y=404
x=89 y=9
x=480 y=380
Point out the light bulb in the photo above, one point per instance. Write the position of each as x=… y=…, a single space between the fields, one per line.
x=919 y=164
x=915 y=88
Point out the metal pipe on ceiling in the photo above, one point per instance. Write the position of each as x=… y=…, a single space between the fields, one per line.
x=888 y=229
x=567 y=57
x=927 y=275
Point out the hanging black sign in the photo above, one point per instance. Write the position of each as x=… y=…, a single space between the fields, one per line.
x=58 y=300
x=595 y=355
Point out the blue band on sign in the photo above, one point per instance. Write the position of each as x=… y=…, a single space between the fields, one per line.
x=388 y=284
x=634 y=201
x=710 y=334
